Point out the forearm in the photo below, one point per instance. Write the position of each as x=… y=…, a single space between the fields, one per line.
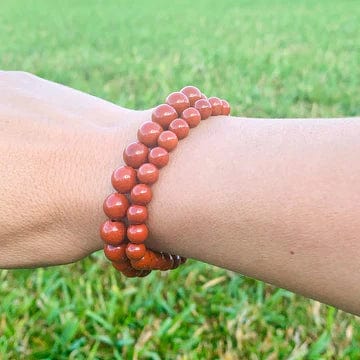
x=277 y=200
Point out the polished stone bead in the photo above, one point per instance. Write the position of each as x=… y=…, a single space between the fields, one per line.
x=115 y=206
x=122 y=265
x=159 y=157
x=164 y=114
x=123 y=179
x=225 y=107
x=216 y=106
x=148 y=133
x=148 y=173
x=135 y=154
x=144 y=263
x=137 y=214
x=178 y=101
x=168 y=140
x=192 y=93
x=112 y=232
x=135 y=251
x=141 y=194
x=180 y=128
x=137 y=234
x=204 y=108
x=115 y=253
x=192 y=116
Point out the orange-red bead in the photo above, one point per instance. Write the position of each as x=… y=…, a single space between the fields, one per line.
x=131 y=272
x=143 y=263
x=180 y=128
x=137 y=214
x=204 y=108
x=225 y=107
x=141 y=194
x=178 y=101
x=137 y=233
x=191 y=116
x=159 y=157
x=148 y=173
x=149 y=132
x=122 y=265
x=115 y=206
x=135 y=154
x=168 y=140
x=192 y=93
x=112 y=232
x=216 y=106
x=115 y=253
x=164 y=114
x=135 y=251
x=123 y=179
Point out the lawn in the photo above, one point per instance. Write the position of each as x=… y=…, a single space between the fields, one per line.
x=269 y=59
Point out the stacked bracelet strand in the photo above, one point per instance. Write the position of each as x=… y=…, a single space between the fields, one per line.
x=125 y=232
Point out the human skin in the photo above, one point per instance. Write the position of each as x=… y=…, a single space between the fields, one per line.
x=273 y=199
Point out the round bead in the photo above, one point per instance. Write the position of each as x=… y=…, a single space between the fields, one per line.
x=168 y=140
x=123 y=265
x=191 y=116
x=148 y=173
x=115 y=206
x=123 y=179
x=135 y=154
x=137 y=214
x=148 y=133
x=192 y=93
x=216 y=106
x=135 y=251
x=159 y=157
x=204 y=108
x=143 y=263
x=178 y=101
x=141 y=194
x=131 y=272
x=112 y=232
x=180 y=128
x=115 y=253
x=225 y=107
x=137 y=233
x=164 y=114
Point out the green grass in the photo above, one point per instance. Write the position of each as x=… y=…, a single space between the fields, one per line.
x=270 y=59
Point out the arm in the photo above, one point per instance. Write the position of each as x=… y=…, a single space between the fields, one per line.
x=277 y=200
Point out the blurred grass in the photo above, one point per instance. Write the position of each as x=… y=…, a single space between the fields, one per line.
x=270 y=59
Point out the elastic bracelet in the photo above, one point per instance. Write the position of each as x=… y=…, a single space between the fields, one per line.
x=125 y=232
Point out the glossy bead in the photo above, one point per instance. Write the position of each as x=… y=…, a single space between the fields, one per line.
x=123 y=265
x=192 y=116
x=112 y=232
x=180 y=128
x=159 y=157
x=164 y=114
x=135 y=251
x=178 y=101
x=204 y=108
x=141 y=194
x=143 y=263
x=137 y=214
x=135 y=154
x=225 y=107
x=137 y=233
x=131 y=272
x=168 y=140
x=148 y=133
x=148 y=173
x=115 y=253
x=216 y=106
x=115 y=206
x=192 y=93
x=123 y=179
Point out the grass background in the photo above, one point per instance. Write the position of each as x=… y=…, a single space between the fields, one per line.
x=270 y=59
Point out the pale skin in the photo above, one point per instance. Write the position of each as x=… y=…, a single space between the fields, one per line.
x=277 y=200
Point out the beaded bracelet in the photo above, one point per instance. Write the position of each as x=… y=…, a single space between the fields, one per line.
x=126 y=232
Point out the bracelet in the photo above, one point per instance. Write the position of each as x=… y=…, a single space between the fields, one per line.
x=126 y=232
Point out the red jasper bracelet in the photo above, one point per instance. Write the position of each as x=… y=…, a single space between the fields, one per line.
x=126 y=232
